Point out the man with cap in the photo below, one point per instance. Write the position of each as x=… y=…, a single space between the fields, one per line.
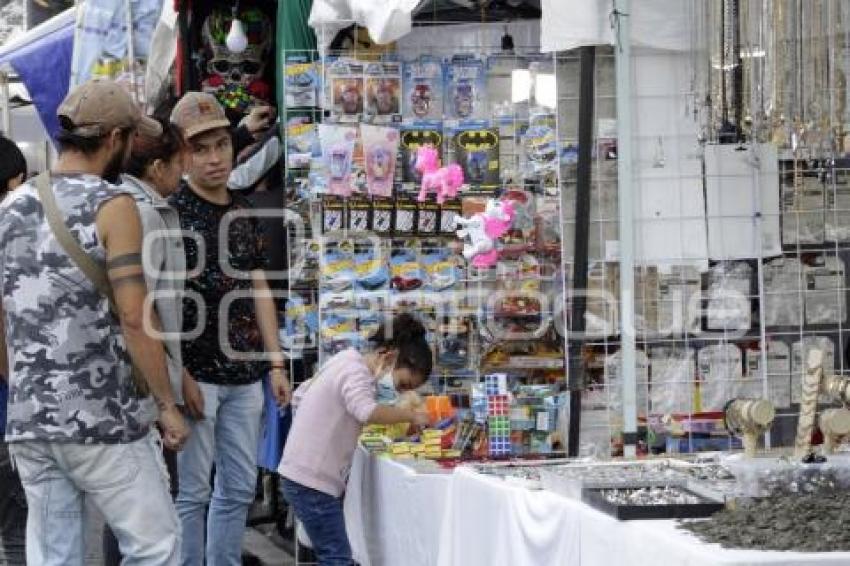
x=78 y=421
x=236 y=340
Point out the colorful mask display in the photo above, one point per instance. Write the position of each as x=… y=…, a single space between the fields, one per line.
x=236 y=78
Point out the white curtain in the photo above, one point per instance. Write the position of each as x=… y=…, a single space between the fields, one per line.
x=386 y=20
x=662 y=24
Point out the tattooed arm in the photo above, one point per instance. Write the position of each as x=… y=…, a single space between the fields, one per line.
x=120 y=230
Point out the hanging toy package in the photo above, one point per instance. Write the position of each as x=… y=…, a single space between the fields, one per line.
x=337 y=154
x=406 y=271
x=372 y=274
x=301 y=80
x=337 y=271
x=442 y=269
x=345 y=78
x=383 y=92
x=412 y=138
x=383 y=213
x=301 y=323
x=428 y=219
x=333 y=214
x=423 y=89
x=380 y=146
x=539 y=146
x=359 y=213
x=466 y=88
x=300 y=142
x=476 y=150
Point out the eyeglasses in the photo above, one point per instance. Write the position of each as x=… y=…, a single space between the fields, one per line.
x=223 y=67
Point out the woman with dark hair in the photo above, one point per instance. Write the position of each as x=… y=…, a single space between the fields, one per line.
x=330 y=411
x=13 y=502
x=13 y=166
x=151 y=175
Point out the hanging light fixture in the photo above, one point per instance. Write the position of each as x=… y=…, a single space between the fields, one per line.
x=236 y=41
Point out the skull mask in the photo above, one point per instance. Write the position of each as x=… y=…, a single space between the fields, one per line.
x=225 y=68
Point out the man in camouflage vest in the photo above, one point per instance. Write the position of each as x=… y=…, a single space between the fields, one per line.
x=78 y=428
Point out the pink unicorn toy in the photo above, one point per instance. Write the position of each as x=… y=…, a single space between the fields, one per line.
x=445 y=181
x=482 y=231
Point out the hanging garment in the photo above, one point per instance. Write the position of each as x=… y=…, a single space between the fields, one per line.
x=102 y=32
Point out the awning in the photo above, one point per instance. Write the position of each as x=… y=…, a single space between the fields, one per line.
x=42 y=58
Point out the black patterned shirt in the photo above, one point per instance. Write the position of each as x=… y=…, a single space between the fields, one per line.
x=226 y=350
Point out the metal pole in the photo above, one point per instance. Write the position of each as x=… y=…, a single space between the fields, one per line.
x=587 y=63
x=131 y=52
x=623 y=61
x=7 y=111
x=79 y=20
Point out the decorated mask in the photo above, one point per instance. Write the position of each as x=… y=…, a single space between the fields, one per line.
x=236 y=78
x=420 y=100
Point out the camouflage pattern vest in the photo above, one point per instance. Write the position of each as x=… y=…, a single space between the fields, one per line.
x=70 y=378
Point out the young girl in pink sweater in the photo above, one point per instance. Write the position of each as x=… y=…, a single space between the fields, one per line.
x=330 y=411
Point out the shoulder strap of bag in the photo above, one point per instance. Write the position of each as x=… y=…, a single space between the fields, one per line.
x=90 y=268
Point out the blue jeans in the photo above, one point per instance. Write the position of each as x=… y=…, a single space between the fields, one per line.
x=323 y=519
x=227 y=435
x=126 y=482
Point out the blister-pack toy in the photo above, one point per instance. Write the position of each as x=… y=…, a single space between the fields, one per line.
x=300 y=81
x=466 y=81
x=423 y=89
x=406 y=271
x=476 y=150
x=338 y=154
x=383 y=91
x=347 y=89
x=380 y=149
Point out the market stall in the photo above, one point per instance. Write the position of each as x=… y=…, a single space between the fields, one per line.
x=699 y=223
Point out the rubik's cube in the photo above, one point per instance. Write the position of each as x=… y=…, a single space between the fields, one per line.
x=499 y=435
x=498 y=406
x=495 y=384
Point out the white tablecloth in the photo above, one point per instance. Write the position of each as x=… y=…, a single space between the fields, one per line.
x=490 y=522
x=393 y=515
x=396 y=517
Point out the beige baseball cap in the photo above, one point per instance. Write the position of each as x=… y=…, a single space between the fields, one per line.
x=199 y=112
x=98 y=106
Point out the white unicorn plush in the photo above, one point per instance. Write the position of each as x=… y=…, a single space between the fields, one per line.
x=483 y=229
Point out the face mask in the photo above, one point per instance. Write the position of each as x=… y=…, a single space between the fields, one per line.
x=386 y=392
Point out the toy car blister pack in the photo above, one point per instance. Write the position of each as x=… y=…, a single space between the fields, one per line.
x=300 y=82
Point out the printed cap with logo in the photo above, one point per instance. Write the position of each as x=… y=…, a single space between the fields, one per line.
x=98 y=106
x=199 y=112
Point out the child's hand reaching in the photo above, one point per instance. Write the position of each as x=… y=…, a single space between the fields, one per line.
x=419 y=417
